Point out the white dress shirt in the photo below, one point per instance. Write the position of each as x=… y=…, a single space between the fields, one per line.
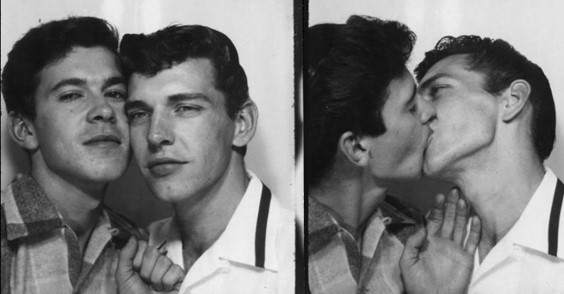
x=233 y=264
x=519 y=262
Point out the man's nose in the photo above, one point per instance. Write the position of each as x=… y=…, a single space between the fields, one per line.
x=101 y=110
x=160 y=132
x=427 y=111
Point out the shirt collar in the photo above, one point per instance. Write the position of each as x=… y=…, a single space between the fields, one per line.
x=529 y=230
x=27 y=209
x=29 y=212
x=321 y=226
x=237 y=242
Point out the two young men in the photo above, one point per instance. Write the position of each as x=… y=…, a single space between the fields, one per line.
x=190 y=119
x=491 y=117
x=367 y=128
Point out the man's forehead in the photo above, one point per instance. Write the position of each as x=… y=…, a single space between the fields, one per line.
x=453 y=66
x=447 y=64
x=96 y=64
x=191 y=79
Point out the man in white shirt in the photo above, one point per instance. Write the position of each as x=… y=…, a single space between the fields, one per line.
x=494 y=127
x=190 y=119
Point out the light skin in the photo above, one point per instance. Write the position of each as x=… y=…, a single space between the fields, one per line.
x=482 y=143
x=143 y=268
x=185 y=144
x=86 y=90
x=436 y=259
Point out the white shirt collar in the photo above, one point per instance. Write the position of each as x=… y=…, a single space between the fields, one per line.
x=237 y=242
x=530 y=230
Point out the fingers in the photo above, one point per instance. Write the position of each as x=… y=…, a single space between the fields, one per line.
x=460 y=222
x=435 y=216
x=410 y=253
x=449 y=214
x=474 y=236
x=156 y=269
x=173 y=278
x=150 y=258
x=139 y=255
x=125 y=262
x=162 y=265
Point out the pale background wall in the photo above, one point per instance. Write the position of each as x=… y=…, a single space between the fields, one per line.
x=262 y=31
x=535 y=28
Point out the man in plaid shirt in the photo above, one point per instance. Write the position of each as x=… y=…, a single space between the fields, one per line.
x=367 y=128
x=64 y=92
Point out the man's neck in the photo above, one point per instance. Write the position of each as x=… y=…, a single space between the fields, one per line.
x=79 y=205
x=203 y=217
x=350 y=199
x=499 y=191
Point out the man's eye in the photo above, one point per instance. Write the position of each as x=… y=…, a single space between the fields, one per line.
x=413 y=108
x=67 y=97
x=137 y=115
x=187 y=109
x=117 y=95
x=435 y=90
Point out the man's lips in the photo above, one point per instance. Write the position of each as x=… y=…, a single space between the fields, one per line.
x=163 y=160
x=163 y=166
x=103 y=138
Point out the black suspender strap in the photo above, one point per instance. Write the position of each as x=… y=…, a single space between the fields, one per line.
x=554 y=218
x=260 y=233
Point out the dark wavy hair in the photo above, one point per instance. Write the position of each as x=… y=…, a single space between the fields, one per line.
x=501 y=64
x=44 y=45
x=149 y=54
x=349 y=68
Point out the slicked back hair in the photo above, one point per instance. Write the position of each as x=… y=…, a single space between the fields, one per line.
x=147 y=55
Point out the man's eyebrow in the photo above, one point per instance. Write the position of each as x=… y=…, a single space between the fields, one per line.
x=113 y=81
x=429 y=81
x=187 y=96
x=129 y=104
x=68 y=82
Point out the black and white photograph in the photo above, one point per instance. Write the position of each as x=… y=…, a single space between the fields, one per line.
x=434 y=155
x=267 y=146
x=148 y=146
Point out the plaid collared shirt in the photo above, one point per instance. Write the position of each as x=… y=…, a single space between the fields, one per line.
x=41 y=254
x=340 y=264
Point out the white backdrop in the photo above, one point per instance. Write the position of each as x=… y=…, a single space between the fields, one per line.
x=262 y=31
x=534 y=28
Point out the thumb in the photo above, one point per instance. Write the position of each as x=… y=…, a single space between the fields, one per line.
x=125 y=263
x=410 y=253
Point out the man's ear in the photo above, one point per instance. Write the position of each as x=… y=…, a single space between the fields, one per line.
x=515 y=99
x=22 y=131
x=245 y=124
x=353 y=148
